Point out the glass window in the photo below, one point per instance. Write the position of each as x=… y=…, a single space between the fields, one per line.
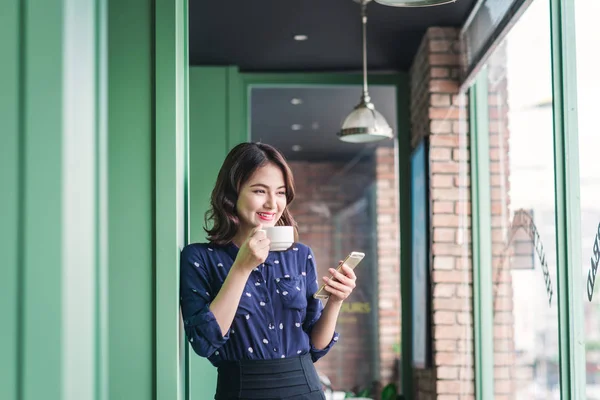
x=523 y=211
x=346 y=200
x=588 y=86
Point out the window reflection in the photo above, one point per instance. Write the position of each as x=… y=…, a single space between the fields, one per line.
x=523 y=211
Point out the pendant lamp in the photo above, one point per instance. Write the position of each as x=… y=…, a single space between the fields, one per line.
x=413 y=3
x=365 y=124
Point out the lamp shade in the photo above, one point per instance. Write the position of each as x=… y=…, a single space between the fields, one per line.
x=413 y=3
x=365 y=124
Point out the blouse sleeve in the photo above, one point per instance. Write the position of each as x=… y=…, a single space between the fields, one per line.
x=314 y=308
x=201 y=327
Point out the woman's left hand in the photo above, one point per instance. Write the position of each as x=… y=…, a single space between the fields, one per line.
x=342 y=283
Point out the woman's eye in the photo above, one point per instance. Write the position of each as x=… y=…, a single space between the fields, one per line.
x=259 y=191
x=281 y=193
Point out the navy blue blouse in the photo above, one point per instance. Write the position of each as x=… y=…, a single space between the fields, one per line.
x=276 y=312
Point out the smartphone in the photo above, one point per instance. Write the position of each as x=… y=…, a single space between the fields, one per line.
x=352 y=260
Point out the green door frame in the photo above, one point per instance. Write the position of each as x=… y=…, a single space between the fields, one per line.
x=171 y=174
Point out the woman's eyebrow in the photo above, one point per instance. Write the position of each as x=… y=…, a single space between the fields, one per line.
x=265 y=186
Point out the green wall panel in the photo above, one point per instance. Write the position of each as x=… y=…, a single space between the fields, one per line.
x=208 y=139
x=147 y=84
x=49 y=170
x=131 y=200
x=237 y=126
x=79 y=109
x=10 y=200
x=42 y=213
x=171 y=133
x=81 y=167
x=208 y=146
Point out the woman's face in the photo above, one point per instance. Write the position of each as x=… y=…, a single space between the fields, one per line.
x=262 y=198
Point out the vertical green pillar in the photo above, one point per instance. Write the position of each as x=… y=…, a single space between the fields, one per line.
x=42 y=213
x=482 y=241
x=83 y=220
x=50 y=169
x=131 y=259
x=568 y=211
x=208 y=140
x=404 y=201
x=92 y=162
x=147 y=111
x=10 y=200
x=171 y=86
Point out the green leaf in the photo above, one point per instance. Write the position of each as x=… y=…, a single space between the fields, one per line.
x=389 y=392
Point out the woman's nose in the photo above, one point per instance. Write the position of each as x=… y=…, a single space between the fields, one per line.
x=270 y=201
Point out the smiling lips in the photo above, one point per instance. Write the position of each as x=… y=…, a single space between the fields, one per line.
x=266 y=216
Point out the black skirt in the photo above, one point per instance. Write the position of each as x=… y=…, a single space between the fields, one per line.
x=283 y=379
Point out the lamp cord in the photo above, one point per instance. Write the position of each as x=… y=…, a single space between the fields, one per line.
x=364 y=47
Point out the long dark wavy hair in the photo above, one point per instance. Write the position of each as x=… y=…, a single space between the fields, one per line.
x=221 y=221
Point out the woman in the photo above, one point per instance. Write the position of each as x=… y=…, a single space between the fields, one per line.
x=251 y=312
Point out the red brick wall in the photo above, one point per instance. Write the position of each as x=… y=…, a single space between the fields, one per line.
x=438 y=114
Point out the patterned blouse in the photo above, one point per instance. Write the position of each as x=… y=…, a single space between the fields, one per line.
x=276 y=313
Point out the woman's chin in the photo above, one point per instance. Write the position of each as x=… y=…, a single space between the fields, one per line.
x=266 y=224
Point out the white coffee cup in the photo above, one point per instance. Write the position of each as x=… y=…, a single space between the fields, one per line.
x=282 y=237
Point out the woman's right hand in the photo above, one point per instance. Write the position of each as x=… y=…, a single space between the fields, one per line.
x=254 y=250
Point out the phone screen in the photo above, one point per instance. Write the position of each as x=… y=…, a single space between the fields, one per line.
x=352 y=260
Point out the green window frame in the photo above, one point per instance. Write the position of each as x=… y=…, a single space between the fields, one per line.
x=482 y=241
